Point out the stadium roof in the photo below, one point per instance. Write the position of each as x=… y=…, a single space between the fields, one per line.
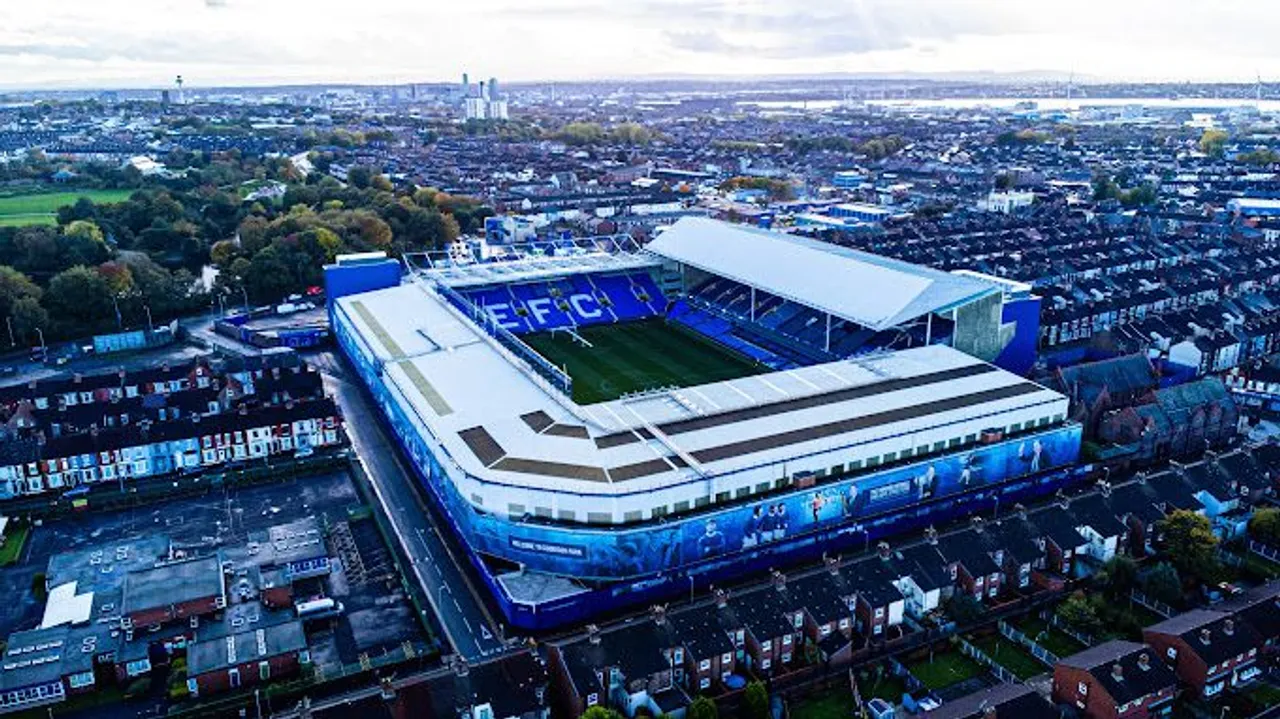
x=873 y=291
x=496 y=421
x=531 y=262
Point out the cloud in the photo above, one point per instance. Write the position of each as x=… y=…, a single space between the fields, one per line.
x=814 y=45
x=80 y=42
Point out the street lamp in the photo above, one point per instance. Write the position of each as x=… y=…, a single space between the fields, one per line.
x=243 y=292
x=8 y=320
x=150 y=326
x=44 y=350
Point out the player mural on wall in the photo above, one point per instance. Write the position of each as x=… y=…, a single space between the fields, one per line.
x=1035 y=459
x=927 y=482
x=711 y=543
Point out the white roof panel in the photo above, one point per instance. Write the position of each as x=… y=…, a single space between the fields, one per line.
x=874 y=291
x=64 y=606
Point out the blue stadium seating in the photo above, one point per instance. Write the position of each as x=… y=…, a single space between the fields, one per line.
x=784 y=334
x=573 y=301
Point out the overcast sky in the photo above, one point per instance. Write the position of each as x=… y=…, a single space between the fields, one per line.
x=91 y=43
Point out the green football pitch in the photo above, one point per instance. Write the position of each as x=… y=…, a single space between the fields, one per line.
x=638 y=356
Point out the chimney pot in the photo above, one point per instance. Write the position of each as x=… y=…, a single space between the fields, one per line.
x=1117 y=671
x=1229 y=627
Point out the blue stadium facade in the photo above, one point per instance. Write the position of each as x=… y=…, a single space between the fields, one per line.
x=640 y=561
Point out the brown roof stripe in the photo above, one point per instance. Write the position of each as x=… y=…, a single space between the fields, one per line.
x=831 y=429
x=619 y=439
x=649 y=467
x=576 y=431
x=537 y=421
x=483 y=445
x=552 y=469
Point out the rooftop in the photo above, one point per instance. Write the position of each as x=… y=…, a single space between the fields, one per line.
x=254 y=645
x=818 y=274
x=169 y=584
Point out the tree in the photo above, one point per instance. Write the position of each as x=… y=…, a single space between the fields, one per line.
x=381 y=183
x=85 y=229
x=1265 y=526
x=1189 y=542
x=15 y=286
x=1119 y=575
x=599 y=712
x=702 y=708
x=580 y=133
x=359 y=176
x=1079 y=614
x=1163 y=583
x=79 y=298
x=1213 y=142
x=20 y=304
x=964 y=609
x=755 y=701
x=223 y=252
x=1104 y=188
x=118 y=276
x=26 y=316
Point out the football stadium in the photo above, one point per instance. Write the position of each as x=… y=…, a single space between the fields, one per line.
x=605 y=424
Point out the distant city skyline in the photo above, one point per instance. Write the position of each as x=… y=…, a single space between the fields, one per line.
x=77 y=44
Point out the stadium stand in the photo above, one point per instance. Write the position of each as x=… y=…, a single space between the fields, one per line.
x=577 y=300
x=793 y=333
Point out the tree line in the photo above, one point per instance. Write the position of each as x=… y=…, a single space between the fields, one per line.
x=105 y=266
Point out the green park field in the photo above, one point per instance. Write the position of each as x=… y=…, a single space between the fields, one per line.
x=41 y=208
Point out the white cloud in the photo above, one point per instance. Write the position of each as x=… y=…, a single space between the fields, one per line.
x=147 y=42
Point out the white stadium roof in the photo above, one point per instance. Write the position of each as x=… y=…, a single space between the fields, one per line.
x=876 y=292
x=495 y=420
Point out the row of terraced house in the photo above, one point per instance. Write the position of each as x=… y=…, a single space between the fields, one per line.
x=63 y=433
x=852 y=611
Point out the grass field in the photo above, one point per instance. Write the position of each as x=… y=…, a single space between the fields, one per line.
x=14 y=541
x=41 y=208
x=637 y=356
x=1055 y=641
x=947 y=668
x=1010 y=655
x=831 y=705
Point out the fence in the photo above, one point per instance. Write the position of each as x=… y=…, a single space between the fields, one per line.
x=1044 y=656
x=1229 y=559
x=1056 y=622
x=1153 y=604
x=1265 y=551
x=1004 y=675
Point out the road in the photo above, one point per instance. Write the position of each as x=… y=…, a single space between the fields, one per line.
x=462 y=614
